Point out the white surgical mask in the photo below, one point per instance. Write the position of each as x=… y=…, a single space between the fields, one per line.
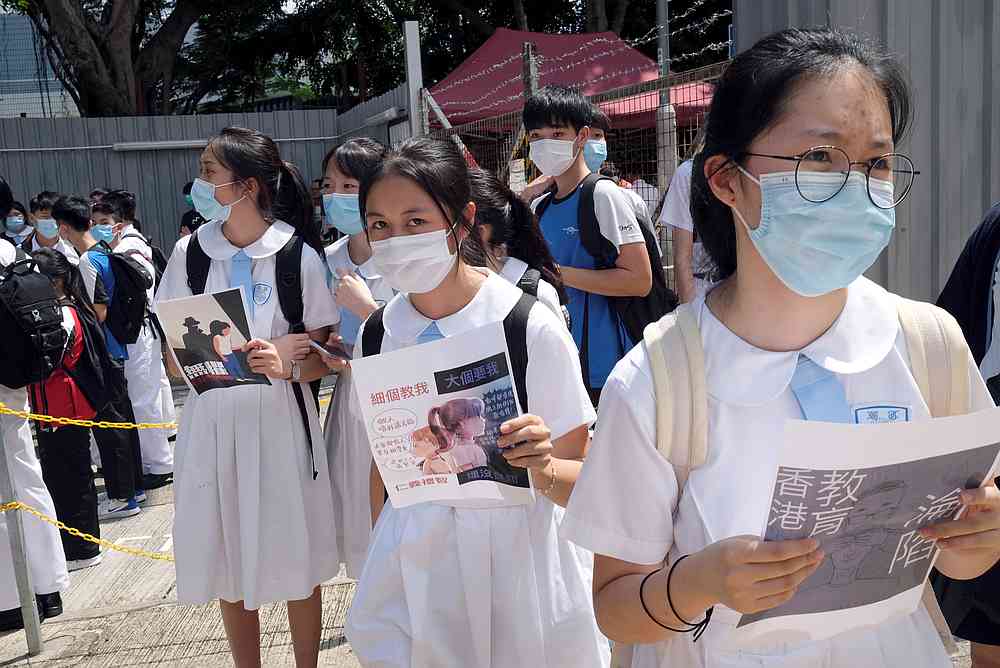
x=414 y=263
x=553 y=156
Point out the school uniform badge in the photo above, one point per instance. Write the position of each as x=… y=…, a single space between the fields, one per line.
x=261 y=293
x=879 y=414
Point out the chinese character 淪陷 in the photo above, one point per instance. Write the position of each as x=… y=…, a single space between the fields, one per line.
x=937 y=509
x=912 y=548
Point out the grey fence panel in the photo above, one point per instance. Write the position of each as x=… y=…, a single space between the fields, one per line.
x=950 y=50
x=74 y=155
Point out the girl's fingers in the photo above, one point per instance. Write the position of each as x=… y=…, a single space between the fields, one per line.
x=779 y=569
x=517 y=423
x=768 y=602
x=971 y=524
x=984 y=540
x=536 y=462
x=787 y=582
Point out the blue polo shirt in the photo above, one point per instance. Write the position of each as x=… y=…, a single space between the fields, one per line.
x=96 y=266
x=608 y=341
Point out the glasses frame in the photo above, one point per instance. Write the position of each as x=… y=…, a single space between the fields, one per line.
x=850 y=163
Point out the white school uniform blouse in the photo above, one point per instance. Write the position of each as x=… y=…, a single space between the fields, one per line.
x=623 y=503
x=513 y=269
x=339 y=257
x=250 y=523
x=447 y=584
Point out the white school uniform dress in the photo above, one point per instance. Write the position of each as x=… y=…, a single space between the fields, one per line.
x=622 y=504
x=46 y=559
x=250 y=523
x=513 y=269
x=346 y=439
x=144 y=370
x=677 y=214
x=482 y=585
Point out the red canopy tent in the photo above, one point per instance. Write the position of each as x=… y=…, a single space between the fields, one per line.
x=489 y=82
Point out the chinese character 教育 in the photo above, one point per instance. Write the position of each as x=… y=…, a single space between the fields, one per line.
x=839 y=487
x=829 y=522
x=406 y=392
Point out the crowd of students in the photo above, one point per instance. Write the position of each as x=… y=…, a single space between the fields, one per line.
x=619 y=544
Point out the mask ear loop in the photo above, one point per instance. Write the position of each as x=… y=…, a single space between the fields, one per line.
x=736 y=212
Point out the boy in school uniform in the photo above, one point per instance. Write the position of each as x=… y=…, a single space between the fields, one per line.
x=46 y=233
x=558 y=122
x=121 y=458
x=144 y=369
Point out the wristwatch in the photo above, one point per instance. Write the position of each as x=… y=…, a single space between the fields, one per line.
x=296 y=372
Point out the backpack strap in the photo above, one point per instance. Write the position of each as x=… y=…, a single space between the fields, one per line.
x=528 y=283
x=515 y=329
x=198 y=263
x=676 y=357
x=939 y=362
x=596 y=244
x=373 y=333
x=939 y=357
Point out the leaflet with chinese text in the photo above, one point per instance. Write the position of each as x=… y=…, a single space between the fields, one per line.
x=433 y=414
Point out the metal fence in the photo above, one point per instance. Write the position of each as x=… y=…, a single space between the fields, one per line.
x=644 y=147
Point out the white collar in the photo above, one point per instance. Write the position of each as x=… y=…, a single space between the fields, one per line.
x=513 y=269
x=861 y=337
x=495 y=299
x=217 y=246
x=341 y=254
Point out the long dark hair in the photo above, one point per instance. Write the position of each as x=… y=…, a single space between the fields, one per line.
x=513 y=226
x=445 y=420
x=356 y=157
x=54 y=264
x=282 y=192
x=751 y=96
x=439 y=169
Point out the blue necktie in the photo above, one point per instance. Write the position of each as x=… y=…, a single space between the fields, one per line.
x=820 y=395
x=242 y=276
x=432 y=333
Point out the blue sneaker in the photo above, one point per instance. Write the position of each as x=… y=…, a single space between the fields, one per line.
x=140 y=496
x=115 y=509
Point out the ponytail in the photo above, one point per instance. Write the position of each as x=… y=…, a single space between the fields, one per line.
x=292 y=203
x=54 y=264
x=445 y=439
x=513 y=227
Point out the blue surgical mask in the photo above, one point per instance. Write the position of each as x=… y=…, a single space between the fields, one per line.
x=105 y=233
x=203 y=196
x=15 y=224
x=816 y=248
x=189 y=200
x=47 y=227
x=595 y=152
x=343 y=212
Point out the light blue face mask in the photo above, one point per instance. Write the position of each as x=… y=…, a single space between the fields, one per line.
x=203 y=196
x=47 y=227
x=15 y=225
x=816 y=248
x=103 y=233
x=343 y=212
x=595 y=152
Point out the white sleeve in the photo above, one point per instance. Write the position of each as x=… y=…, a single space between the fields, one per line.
x=548 y=296
x=319 y=308
x=616 y=215
x=553 y=378
x=623 y=501
x=89 y=273
x=174 y=282
x=677 y=206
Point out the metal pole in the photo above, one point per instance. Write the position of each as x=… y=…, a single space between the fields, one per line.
x=529 y=70
x=666 y=118
x=414 y=77
x=663 y=44
x=22 y=575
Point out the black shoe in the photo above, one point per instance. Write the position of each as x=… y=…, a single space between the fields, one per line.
x=10 y=620
x=157 y=480
x=172 y=438
x=49 y=605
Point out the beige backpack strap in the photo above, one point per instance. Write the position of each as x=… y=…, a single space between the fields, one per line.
x=676 y=357
x=939 y=361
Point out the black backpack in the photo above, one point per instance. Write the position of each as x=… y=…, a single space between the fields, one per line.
x=157 y=258
x=129 y=307
x=634 y=312
x=31 y=322
x=288 y=276
x=528 y=283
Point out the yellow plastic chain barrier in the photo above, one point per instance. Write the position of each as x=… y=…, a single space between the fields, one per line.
x=135 y=552
x=26 y=415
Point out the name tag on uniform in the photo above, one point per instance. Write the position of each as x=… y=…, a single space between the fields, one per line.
x=881 y=414
x=261 y=293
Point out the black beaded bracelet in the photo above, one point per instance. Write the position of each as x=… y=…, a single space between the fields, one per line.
x=698 y=628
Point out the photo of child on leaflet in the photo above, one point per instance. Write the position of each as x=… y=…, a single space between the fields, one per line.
x=206 y=334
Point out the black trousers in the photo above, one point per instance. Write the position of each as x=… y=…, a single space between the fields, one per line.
x=65 y=458
x=121 y=457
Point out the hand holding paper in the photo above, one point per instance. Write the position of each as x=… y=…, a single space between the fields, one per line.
x=264 y=358
x=970 y=545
